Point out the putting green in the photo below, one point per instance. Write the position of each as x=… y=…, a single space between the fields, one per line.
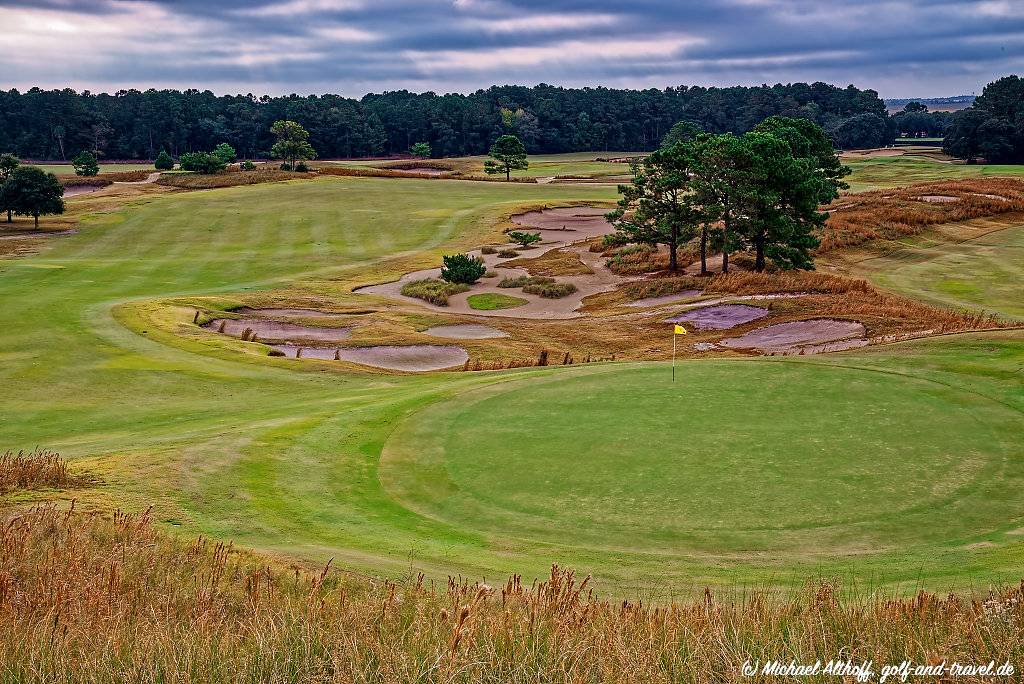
x=737 y=457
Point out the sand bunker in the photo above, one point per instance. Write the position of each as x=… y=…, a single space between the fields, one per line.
x=289 y=313
x=425 y=171
x=418 y=357
x=277 y=331
x=76 y=190
x=665 y=299
x=579 y=222
x=802 y=337
x=721 y=316
x=938 y=198
x=465 y=331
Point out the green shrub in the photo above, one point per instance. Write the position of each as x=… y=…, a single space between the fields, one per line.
x=462 y=268
x=226 y=153
x=523 y=281
x=301 y=167
x=163 y=162
x=433 y=290
x=508 y=253
x=522 y=238
x=247 y=166
x=85 y=164
x=201 y=162
x=550 y=290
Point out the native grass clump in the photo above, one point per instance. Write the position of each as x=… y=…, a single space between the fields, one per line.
x=433 y=290
x=35 y=469
x=85 y=597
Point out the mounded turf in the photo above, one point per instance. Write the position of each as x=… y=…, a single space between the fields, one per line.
x=888 y=172
x=489 y=301
x=278 y=456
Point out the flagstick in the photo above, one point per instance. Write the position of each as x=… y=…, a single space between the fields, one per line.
x=673 y=355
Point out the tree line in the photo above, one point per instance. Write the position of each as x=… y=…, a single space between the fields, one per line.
x=993 y=127
x=761 y=191
x=132 y=124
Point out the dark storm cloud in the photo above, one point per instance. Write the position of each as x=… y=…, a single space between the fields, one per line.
x=906 y=47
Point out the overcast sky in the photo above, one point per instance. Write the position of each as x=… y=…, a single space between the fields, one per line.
x=918 y=48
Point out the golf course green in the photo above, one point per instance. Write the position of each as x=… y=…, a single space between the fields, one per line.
x=898 y=465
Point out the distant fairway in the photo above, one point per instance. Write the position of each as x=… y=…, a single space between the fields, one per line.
x=887 y=172
x=69 y=170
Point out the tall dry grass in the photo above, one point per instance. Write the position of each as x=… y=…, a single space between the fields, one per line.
x=899 y=212
x=33 y=470
x=227 y=179
x=91 y=599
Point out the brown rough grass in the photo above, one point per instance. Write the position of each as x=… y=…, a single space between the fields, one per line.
x=85 y=598
x=227 y=179
x=555 y=262
x=899 y=212
x=33 y=470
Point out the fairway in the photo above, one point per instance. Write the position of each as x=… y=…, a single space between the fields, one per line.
x=888 y=172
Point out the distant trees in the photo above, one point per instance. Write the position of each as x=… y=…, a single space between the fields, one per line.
x=420 y=150
x=133 y=124
x=30 y=191
x=163 y=161
x=85 y=164
x=682 y=131
x=507 y=153
x=292 y=144
x=761 y=191
x=862 y=131
x=8 y=163
x=993 y=127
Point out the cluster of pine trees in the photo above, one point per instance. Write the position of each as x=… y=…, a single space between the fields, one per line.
x=131 y=124
x=993 y=127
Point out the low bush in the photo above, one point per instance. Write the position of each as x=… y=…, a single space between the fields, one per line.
x=508 y=254
x=247 y=166
x=201 y=162
x=432 y=290
x=487 y=249
x=523 y=239
x=462 y=268
x=491 y=274
x=163 y=161
x=301 y=167
x=550 y=290
x=523 y=281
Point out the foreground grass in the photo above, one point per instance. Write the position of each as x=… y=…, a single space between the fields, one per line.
x=91 y=599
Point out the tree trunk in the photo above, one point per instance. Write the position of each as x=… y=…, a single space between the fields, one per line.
x=703 y=250
x=36 y=217
x=759 y=260
x=508 y=173
x=725 y=242
x=672 y=265
x=10 y=219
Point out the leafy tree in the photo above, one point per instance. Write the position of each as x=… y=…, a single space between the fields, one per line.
x=523 y=238
x=506 y=153
x=225 y=152
x=30 y=191
x=721 y=180
x=462 y=268
x=962 y=140
x=659 y=208
x=993 y=127
x=85 y=164
x=8 y=163
x=163 y=161
x=683 y=131
x=420 y=150
x=201 y=162
x=862 y=131
x=915 y=107
x=808 y=140
x=292 y=144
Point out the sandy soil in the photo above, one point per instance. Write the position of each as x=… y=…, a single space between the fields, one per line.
x=288 y=313
x=801 y=337
x=76 y=190
x=560 y=227
x=417 y=357
x=938 y=198
x=277 y=331
x=465 y=331
x=720 y=316
x=425 y=171
x=22 y=234
x=151 y=178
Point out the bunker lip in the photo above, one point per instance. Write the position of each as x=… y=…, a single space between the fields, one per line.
x=277 y=331
x=813 y=336
x=272 y=312
x=664 y=299
x=720 y=316
x=465 y=331
x=414 y=358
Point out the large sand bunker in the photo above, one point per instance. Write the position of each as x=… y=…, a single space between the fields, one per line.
x=580 y=222
x=417 y=357
x=465 y=331
x=802 y=337
x=721 y=316
x=76 y=190
x=277 y=331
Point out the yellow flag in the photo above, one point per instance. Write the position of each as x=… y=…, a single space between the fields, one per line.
x=680 y=330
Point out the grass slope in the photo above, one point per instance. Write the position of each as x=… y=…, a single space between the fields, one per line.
x=288 y=461
x=888 y=172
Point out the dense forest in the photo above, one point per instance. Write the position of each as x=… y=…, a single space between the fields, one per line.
x=57 y=124
x=993 y=127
